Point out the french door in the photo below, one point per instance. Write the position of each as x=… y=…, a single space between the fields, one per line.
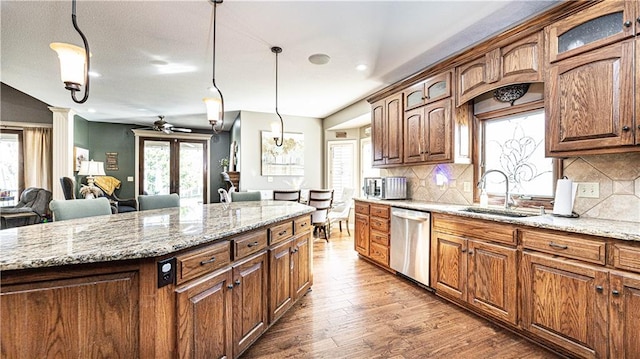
x=174 y=165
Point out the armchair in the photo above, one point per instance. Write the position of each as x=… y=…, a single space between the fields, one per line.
x=32 y=207
x=111 y=186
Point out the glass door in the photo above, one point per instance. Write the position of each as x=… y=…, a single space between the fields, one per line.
x=174 y=166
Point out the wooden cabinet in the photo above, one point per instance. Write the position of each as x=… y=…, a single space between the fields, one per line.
x=428 y=137
x=624 y=322
x=518 y=62
x=386 y=129
x=565 y=302
x=590 y=82
x=590 y=101
x=361 y=238
x=478 y=272
x=432 y=89
x=249 y=302
x=290 y=268
x=83 y=317
x=204 y=317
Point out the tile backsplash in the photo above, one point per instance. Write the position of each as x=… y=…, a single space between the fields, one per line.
x=618 y=177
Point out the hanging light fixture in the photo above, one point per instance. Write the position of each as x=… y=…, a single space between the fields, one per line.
x=278 y=133
x=215 y=105
x=74 y=62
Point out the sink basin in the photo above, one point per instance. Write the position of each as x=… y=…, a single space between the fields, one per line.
x=499 y=212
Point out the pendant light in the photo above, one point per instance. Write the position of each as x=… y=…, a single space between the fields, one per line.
x=74 y=62
x=215 y=104
x=278 y=133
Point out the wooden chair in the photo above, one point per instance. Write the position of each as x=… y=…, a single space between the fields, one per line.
x=321 y=200
x=286 y=195
x=79 y=208
x=147 y=202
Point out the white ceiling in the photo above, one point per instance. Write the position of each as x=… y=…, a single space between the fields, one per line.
x=393 y=38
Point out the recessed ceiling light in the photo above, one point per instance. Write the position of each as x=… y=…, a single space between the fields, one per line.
x=95 y=74
x=361 y=67
x=319 y=59
x=142 y=109
x=92 y=110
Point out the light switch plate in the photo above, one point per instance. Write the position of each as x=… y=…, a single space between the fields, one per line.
x=588 y=190
x=269 y=179
x=130 y=179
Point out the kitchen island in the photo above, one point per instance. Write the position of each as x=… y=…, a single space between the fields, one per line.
x=202 y=281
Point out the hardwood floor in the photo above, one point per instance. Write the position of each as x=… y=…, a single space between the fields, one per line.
x=357 y=310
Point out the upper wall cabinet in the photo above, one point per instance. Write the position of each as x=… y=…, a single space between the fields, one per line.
x=599 y=25
x=590 y=87
x=517 y=62
x=386 y=130
x=433 y=89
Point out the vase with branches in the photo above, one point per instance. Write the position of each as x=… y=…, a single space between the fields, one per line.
x=224 y=163
x=90 y=191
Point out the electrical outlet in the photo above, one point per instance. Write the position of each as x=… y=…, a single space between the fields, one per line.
x=269 y=179
x=588 y=190
x=466 y=186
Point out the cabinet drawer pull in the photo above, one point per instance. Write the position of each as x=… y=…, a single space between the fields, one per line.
x=615 y=292
x=252 y=244
x=599 y=288
x=208 y=261
x=303 y=224
x=558 y=246
x=282 y=233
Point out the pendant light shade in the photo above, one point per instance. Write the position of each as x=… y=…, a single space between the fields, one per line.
x=278 y=136
x=215 y=104
x=74 y=62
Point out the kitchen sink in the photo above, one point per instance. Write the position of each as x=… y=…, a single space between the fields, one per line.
x=500 y=212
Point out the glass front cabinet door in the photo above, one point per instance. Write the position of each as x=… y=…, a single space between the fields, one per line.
x=433 y=89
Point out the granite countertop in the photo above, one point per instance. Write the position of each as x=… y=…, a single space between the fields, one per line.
x=135 y=235
x=629 y=231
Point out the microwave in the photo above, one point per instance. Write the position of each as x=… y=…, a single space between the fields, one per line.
x=385 y=187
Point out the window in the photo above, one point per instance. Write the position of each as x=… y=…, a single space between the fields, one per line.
x=514 y=144
x=342 y=173
x=11 y=171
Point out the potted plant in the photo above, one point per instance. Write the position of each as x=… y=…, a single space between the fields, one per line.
x=89 y=192
x=224 y=163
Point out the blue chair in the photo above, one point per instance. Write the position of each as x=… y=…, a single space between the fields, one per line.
x=147 y=202
x=245 y=196
x=79 y=208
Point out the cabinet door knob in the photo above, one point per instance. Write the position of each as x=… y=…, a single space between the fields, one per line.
x=599 y=288
x=237 y=282
x=230 y=286
x=625 y=128
x=627 y=23
x=463 y=250
x=615 y=292
x=470 y=252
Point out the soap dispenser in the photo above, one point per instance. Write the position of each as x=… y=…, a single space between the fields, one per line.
x=484 y=199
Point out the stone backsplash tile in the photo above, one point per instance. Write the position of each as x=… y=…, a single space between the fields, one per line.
x=618 y=176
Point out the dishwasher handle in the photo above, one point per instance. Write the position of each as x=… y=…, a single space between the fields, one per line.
x=410 y=215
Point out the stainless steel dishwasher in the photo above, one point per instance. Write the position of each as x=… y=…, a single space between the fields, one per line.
x=411 y=243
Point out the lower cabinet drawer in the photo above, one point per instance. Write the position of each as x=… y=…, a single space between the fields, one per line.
x=568 y=245
x=302 y=224
x=196 y=263
x=249 y=243
x=380 y=238
x=280 y=232
x=379 y=253
x=362 y=208
x=379 y=224
x=626 y=257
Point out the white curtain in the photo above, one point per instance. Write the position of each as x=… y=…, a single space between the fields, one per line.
x=38 y=159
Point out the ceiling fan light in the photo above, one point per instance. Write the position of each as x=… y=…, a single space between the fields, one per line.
x=214 y=109
x=72 y=64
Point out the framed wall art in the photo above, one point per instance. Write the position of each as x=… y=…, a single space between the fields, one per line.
x=79 y=154
x=287 y=160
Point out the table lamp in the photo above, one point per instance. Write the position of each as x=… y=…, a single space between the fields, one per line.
x=91 y=169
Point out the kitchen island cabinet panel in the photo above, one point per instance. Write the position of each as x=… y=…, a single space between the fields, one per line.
x=302 y=259
x=361 y=240
x=85 y=317
x=204 y=317
x=280 y=288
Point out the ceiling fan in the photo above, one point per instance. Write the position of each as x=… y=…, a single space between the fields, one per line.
x=161 y=125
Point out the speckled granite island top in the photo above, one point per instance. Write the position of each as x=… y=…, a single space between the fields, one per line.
x=135 y=235
x=629 y=231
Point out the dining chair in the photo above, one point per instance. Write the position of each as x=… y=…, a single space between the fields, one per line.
x=147 y=202
x=79 y=208
x=245 y=196
x=341 y=211
x=286 y=195
x=68 y=187
x=321 y=200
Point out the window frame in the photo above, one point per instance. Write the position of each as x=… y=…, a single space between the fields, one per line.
x=557 y=167
x=20 y=159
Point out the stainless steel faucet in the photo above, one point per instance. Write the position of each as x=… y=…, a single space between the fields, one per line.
x=482 y=183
